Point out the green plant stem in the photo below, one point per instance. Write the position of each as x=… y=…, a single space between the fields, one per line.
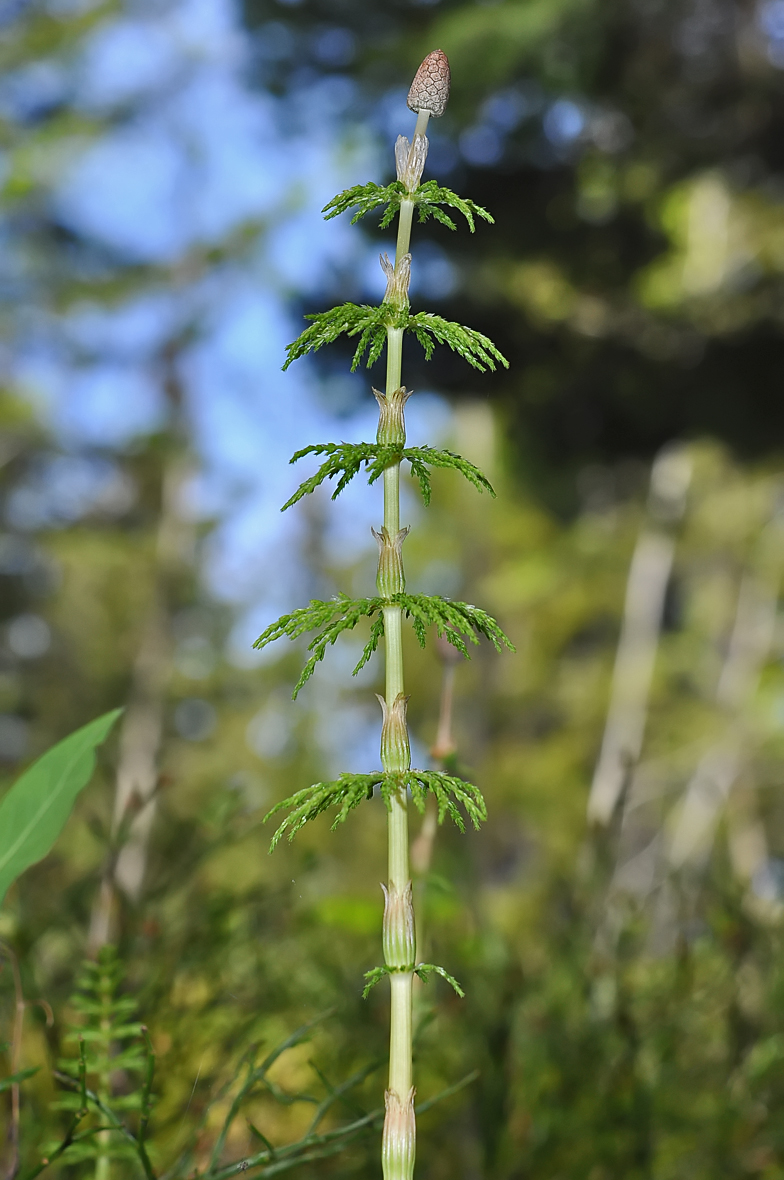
x=404 y=226
x=400 y=1045
x=401 y=984
x=407 y=207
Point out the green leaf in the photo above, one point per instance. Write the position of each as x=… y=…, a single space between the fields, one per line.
x=34 y=811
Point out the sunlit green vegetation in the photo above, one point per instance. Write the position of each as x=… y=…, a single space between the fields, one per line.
x=623 y=979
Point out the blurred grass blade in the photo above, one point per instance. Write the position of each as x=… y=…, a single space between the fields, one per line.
x=16 y=1078
x=34 y=811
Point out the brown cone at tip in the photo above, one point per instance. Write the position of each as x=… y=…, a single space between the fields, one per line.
x=430 y=88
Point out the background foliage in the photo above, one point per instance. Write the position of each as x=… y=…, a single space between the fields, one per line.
x=623 y=984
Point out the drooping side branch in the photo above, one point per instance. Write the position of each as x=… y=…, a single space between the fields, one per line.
x=346 y=460
x=349 y=790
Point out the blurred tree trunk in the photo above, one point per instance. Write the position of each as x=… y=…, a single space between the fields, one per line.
x=142 y=732
x=646 y=589
x=721 y=765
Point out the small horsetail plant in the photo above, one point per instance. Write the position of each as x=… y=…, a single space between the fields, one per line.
x=456 y=621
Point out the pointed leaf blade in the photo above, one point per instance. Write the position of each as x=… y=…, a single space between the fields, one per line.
x=33 y=812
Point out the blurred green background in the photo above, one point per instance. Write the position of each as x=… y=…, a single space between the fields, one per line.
x=617 y=922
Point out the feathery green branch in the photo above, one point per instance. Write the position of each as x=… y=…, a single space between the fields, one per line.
x=425 y=970
x=459 y=622
x=365 y=198
x=345 y=792
x=421 y=458
x=333 y=617
x=454 y=620
x=369 y=323
x=472 y=346
x=431 y=195
x=372 y=977
x=448 y=791
x=345 y=460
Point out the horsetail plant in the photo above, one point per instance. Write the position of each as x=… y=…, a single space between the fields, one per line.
x=456 y=621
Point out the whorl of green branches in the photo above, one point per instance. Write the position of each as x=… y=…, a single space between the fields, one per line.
x=423 y=970
x=456 y=621
x=349 y=790
x=429 y=198
x=346 y=459
x=371 y=324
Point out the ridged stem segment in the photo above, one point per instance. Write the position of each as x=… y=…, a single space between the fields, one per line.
x=391 y=578
x=391 y=417
x=399 y=935
x=398 y=1149
x=395 y=750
